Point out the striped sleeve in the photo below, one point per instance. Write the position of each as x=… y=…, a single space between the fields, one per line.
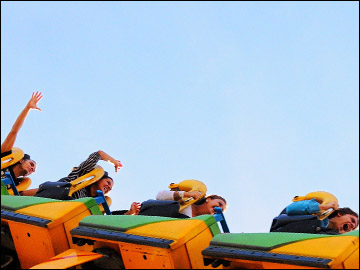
x=85 y=167
x=82 y=193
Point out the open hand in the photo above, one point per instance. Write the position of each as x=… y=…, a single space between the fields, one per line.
x=35 y=98
x=134 y=209
x=195 y=194
x=333 y=205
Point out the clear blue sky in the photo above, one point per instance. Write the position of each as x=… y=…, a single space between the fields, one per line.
x=259 y=100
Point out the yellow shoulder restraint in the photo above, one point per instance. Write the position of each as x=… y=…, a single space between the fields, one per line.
x=188 y=186
x=321 y=197
x=86 y=179
x=16 y=155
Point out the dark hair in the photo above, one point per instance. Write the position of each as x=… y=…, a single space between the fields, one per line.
x=106 y=175
x=344 y=211
x=212 y=197
x=26 y=157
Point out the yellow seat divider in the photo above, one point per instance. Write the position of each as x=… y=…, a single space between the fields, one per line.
x=41 y=231
x=16 y=155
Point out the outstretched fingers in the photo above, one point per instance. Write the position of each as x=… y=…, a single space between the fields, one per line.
x=35 y=98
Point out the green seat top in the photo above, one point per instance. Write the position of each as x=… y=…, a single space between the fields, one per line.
x=14 y=203
x=266 y=241
x=125 y=222
x=17 y=202
x=120 y=222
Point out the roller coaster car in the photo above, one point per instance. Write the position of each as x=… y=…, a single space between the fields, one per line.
x=146 y=242
x=38 y=228
x=43 y=223
x=189 y=185
x=280 y=250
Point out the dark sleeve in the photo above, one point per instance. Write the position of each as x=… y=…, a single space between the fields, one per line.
x=119 y=212
x=85 y=167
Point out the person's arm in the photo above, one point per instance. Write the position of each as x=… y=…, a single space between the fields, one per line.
x=177 y=195
x=306 y=207
x=89 y=164
x=117 y=164
x=9 y=142
x=309 y=207
x=85 y=167
x=134 y=209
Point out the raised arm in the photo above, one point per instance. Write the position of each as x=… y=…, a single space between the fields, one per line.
x=117 y=164
x=9 y=142
x=165 y=195
x=89 y=164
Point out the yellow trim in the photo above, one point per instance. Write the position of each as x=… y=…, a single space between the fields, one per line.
x=189 y=186
x=181 y=231
x=67 y=259
x=58 y=212
x=338 y=249
x=16 y=155
x=86 y=179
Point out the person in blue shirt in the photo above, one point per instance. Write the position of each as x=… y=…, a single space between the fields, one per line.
x=299 y=217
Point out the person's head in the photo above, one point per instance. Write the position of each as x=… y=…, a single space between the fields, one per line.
x=24 y=167
x=105 y=184
x=343 y=220
x=205 y=206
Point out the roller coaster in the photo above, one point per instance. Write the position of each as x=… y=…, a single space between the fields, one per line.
x=42 y=233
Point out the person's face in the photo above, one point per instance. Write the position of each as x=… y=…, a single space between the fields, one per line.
x=211 y=203
x=105 y=185
x=29 y=166
x=344 y=223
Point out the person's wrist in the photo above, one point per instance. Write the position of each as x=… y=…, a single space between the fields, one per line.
x=178 y=195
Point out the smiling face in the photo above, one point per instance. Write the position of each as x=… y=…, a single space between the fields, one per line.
x=28 y=166
x=344 y=223
x=105 y=185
